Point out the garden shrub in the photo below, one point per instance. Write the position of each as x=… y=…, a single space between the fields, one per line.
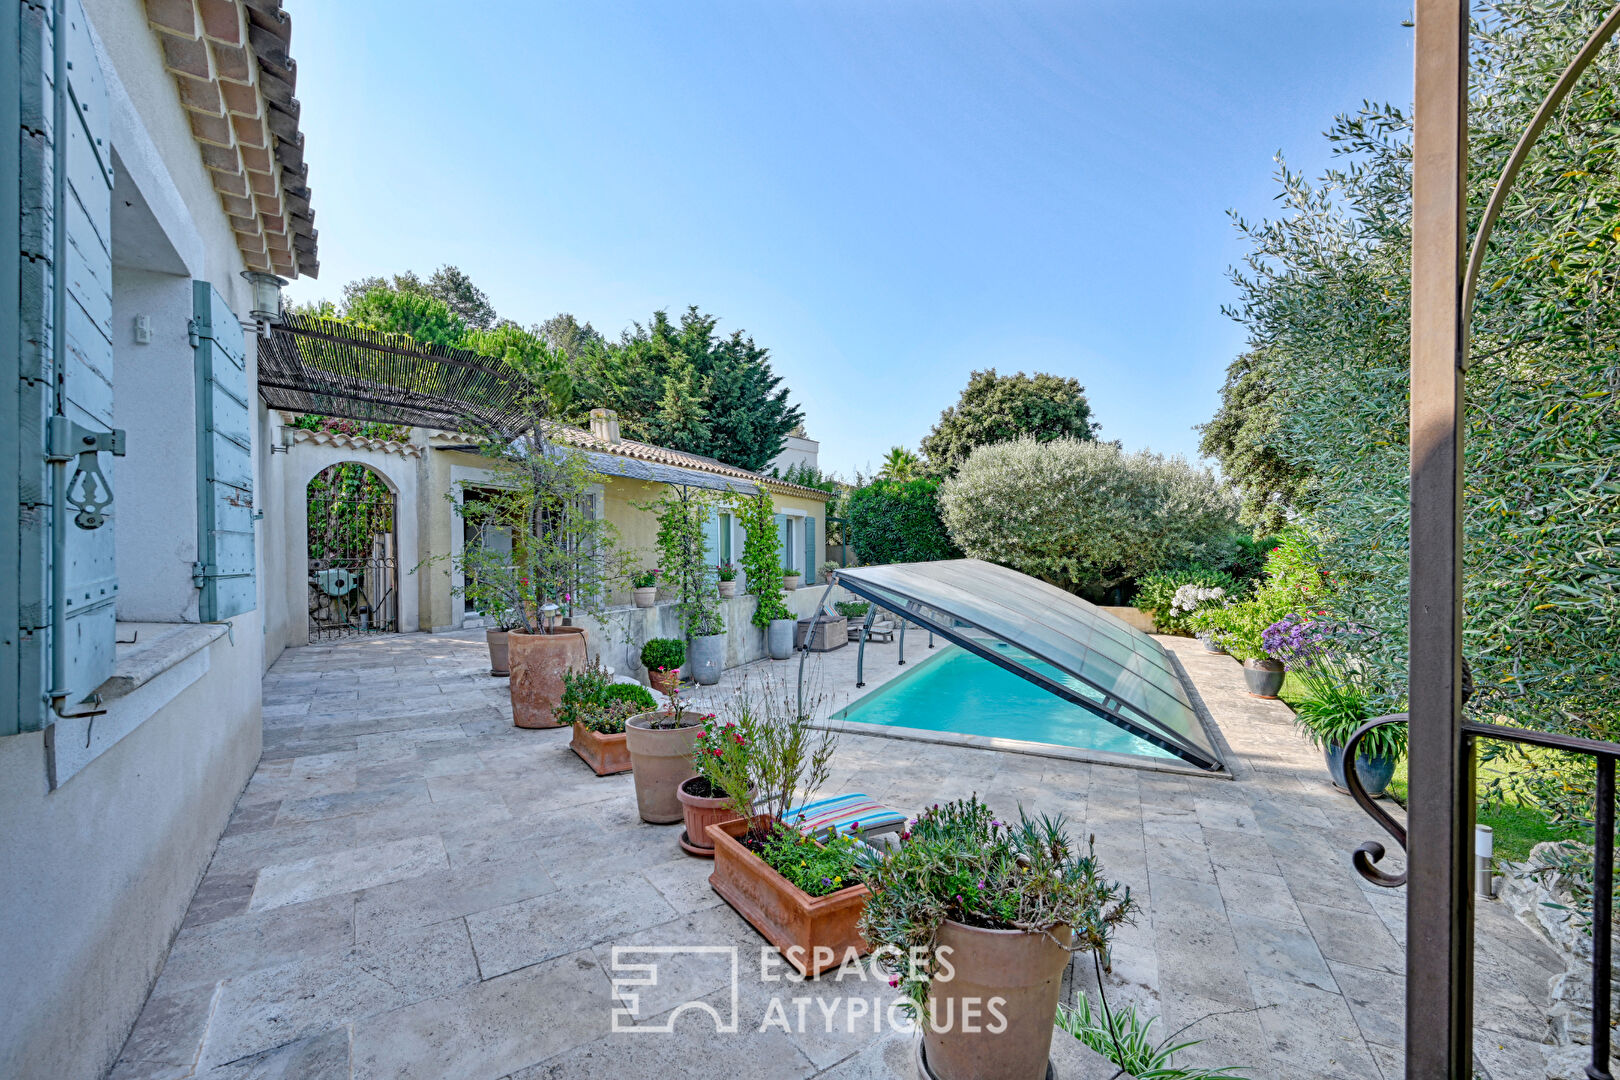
x=1079 y=513
x=634 y=693
x=1174 y=595
x=896 y=521
x=661 y=652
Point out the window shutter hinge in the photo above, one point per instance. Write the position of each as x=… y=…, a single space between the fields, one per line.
x=88 y=491
x=199 y=574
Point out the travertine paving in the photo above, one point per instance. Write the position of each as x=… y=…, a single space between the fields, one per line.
x=412 y=888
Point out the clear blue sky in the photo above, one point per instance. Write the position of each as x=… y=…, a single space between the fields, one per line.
x=886 y=194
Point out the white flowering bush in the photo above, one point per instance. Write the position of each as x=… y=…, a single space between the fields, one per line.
x=1189 y=598
x=1084 y=514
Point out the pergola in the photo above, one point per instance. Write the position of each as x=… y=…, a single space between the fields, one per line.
x=314 y=364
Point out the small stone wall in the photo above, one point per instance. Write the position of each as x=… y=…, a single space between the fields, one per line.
x=616 y=639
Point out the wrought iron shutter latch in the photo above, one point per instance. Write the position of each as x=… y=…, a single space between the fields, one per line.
x=88 y=491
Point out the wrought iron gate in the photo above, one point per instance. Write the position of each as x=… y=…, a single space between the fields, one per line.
x=353 y=554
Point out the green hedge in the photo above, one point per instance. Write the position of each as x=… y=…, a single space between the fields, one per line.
x=895 y=521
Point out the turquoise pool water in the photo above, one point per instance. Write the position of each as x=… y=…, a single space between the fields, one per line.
x=963 y=693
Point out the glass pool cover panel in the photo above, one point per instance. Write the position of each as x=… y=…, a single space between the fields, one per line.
x=1126 y=677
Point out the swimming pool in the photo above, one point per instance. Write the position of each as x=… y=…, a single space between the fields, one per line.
x=959 y=692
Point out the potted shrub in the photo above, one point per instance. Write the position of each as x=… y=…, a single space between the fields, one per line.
x=804 y=897
x=660 y=746
x=791 y=579
x=1242 y=630
x=597 y=708
x=726 y=573
x=762 y=561
x=663 y=657
x=828 y=568
x=562 y=562
x=1334 y=700
x=1011 y=901
x=645 y=588
x=721 y=747
x=599 y=735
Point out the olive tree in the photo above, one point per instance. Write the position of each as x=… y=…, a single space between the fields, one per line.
x=1080 y=513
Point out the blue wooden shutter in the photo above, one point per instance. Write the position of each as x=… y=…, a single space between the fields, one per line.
x=224 y=459
x=82 y=374
x=810 y=560
x=781 y=538
x=711 y=536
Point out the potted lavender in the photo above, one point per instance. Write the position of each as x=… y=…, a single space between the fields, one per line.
x=1335 y=700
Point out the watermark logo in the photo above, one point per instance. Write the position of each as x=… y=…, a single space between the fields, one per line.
x=640 y=969
x=630 y=977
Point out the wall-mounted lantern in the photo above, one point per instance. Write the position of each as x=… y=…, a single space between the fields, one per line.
x=266 y=294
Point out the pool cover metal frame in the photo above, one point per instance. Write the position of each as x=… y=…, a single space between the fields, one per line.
x=1112 y=708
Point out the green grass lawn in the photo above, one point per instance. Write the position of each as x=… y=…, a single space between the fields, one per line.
x=1518 y=827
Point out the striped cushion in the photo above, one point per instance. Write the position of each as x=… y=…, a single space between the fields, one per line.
x=860 y=814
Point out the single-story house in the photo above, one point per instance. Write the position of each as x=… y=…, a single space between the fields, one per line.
x=399 y=571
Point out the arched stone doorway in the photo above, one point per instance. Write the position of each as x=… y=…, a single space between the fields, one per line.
x=353 y=553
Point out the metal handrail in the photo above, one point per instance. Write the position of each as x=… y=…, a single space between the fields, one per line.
x=1368 y=855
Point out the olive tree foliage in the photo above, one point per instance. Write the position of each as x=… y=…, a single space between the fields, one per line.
x=997 y=408
x=1324 y=297
x=1080 y=513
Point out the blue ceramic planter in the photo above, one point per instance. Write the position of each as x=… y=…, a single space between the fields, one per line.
x=1373 y=772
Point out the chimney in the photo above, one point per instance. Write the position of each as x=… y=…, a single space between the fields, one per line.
x=605 y=425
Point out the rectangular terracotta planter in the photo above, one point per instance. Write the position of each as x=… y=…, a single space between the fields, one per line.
x=784 y=914
x=605 y=754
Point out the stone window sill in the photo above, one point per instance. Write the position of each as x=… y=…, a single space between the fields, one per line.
x=146 y=650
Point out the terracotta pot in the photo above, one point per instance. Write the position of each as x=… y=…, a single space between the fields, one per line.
x=1263 y=677
x=728 y=589
x=699 y=812
x=605 y=754
x=814 y=932
x=497 y=652
x=664 y=681
x=537 y=662
x=1025 y=971
x=661 y=758
x=646 y=597
x=792 y=581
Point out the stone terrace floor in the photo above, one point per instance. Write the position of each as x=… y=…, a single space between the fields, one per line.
x=411 y=887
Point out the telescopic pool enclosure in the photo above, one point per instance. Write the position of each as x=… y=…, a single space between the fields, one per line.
x=1052 y=638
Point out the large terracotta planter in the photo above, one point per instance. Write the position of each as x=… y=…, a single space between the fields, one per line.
x=1264 y=678
x=699 y=812
x=537 y=662
x=496 y=640
x=605 y=754
x=1024 y=970
x=814 y=933
x=661 y=758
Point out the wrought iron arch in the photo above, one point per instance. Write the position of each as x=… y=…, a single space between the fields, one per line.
x=352 y=540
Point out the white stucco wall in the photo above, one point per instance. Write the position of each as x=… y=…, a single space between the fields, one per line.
x=796 y=450
x=96 y=873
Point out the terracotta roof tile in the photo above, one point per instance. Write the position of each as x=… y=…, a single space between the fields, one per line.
x=663 y=455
